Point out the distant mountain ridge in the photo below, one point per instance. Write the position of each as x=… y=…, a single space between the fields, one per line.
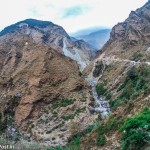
x=97 y=38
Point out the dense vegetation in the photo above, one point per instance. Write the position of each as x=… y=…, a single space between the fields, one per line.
x=102 y=91
x=136 y=131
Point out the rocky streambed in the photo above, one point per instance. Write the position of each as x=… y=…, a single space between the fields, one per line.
x=101 y=105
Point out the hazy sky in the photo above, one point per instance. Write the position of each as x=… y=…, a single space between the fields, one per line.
x=73 y=15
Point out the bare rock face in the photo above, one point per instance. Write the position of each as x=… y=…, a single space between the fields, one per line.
x=44 y=32
x=130 y=36
x=41 y=88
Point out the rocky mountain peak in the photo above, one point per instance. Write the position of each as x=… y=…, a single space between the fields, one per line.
x=133 y=33
x=33 y=24
x=45 y=32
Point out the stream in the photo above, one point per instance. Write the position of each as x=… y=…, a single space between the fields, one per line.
x=101 y=104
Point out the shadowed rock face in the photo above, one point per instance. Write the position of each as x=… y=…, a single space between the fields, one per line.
x=43 y=79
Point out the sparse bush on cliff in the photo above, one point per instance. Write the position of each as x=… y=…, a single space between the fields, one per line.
x=135 y=83
x=74 y=128
x=62 y=103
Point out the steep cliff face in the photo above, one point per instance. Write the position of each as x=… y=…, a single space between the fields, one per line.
x=44 y=32
x=41 y=89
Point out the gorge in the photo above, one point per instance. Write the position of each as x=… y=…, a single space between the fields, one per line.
x=58 y=93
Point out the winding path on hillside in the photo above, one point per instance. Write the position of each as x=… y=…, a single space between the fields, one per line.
x=112 y=59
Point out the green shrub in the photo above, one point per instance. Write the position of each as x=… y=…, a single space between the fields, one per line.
x=136 y=131
x=80 y=110
x=101 y=140
x=67 y=117
x=136 y=56
x=54 y=114
x=62 y=103
x=100 y=89
x=66 y=102
x=114 y=123
x=108 y=96
x=83 y=100
x=89 y=128
x=114 y=104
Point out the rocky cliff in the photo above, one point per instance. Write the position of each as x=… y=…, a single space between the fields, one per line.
x=131 y=36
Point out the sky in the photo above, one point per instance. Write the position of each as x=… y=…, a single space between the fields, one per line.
x=72 y=15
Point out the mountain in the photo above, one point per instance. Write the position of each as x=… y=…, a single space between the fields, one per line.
x=43 y=94
x=97 y=38
x=86 y=31
x=52 y=35
x=120 y=75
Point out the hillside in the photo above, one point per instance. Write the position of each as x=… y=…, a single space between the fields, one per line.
x=42 y=92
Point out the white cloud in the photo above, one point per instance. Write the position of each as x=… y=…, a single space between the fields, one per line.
x=98 y=12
